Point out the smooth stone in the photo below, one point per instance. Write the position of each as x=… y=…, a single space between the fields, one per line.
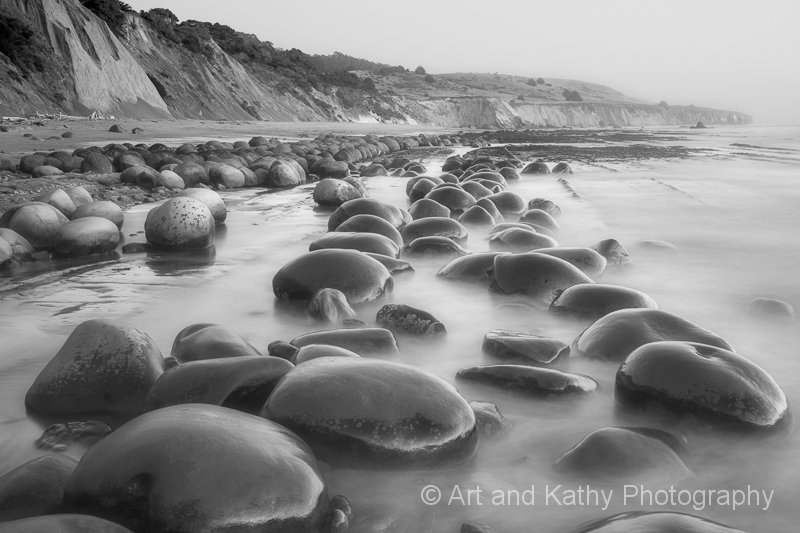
x=190 y=468
x=371 y=224
x=192 y=174
x=420 y=189
x=508 y=202
x=404 y=319
x=490 y=208
x=425 y=207
x=62 y=523
x=614 y=336
x=211 y=199
x=587 y=260
x=59 y=199
x=641 y=521
x=529 y=348
x=96 y=163
x=614 y=252
x=594 y=300
x=657 y=246
x=497 y=228
x=413 y=181
x=476 y=216
x=488 y=177
x=169 y=179
x=330 y=305
x=531 y=380
x=476 y=189
x=562 y=168
x=475 y=267
x=284 y=174
x=548 y=206
x=282 y=350
x=368 y=206
x=35 y=488
x=368 y=413
x=489 y=419
x=104 y=367
x=509 y=173
x=360 y=277
x=363 y=242
x=241 y=383
x=453 y=197
x=537 y=167
x=375 y=169
x=518 y=240
x=20 y=249
x=209 y=341
x=629 y=454
x=37 y=222
x=769 y=308
x=435 y=227
x=86 y=236
x=334 y=192
x=102 y=208
x=6 y=252
x=539 y=276
x=45 y=171
x=364 y=341
x=540 y=218
x=310 y=352
x=393 y=265
x=434 y=246
x=180 y=223
x=712 y=384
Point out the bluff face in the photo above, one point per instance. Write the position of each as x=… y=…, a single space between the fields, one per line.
x=71 y=61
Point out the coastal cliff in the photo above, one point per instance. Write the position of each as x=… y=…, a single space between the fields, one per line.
x=58 y=56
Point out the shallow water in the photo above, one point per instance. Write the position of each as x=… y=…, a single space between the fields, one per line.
x=732 y=213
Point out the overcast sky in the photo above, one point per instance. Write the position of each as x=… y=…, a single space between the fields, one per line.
x=739 y=55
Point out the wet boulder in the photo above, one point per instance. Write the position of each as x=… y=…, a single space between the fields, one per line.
x=96 y=163
x=79 y=196
x=104 y=367
x=490 y=421
x=170 y=180
x=241 y=383
x=142 y=176
x=613 y=251
x=375 y=169
x=562 y=168
x=192 y=174
x=655 y=523
x=180 y=223
x=37 y=222
x=19 y=249
x=318 y=351
x=334 y=192
x=363 y=340
x=393 y=265
x=435 y=226
x=530 y=380
x=614 y=336
x=360 y=277
x=209 y=341
x=508 y=202
x=211 y=199
x=86 y=236
x=537 y=167
x=594 y=300
x=328 y=168
x=548 y=206
x=371 y=224
x=252 y=471
x=420 y=189
x=434 y=246
x=102 y=208
x=363 y=242
x=519 y=240
x=425 y=207
x=59 y=437
x=539 y=276
x=283 y=174
x=476 y=189
x=368 y=413
x=35 y=488
x=226 y=176
x=616 y=453
x=368 y=206
x=404 y=319
x=586 y=260
x=453 y=197
x=770 y=308
x=62 y=523
x=59 y=199
x=712 y=384
x=475 y=267
x=330 y=305
x=524 y=347
x=476 y=216
x=540 y=218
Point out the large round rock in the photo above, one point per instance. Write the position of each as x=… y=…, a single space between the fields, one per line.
x=35 y=488
x=209 y=341
x=212 y=200
x=193 y=467
x=594 y=300
x=529 y=380
x=368 y=206
x=639 y=521
x=103 y=208
x=352 y=240
x=472 y=268
x=537 y=275
x=617 y=334
x=62 y=523
x=367 y=413
x=181 y=224
x=87 y=236
x=714 y=385
x=371 y=224
x=104 y=367
x=360 y=277
x=37 y=222
x=334 y=192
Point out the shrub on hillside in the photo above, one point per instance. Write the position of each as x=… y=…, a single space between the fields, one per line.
x=19 y=43
x=572 y=96
x=531 y=82
x=539 y=80
x=419 y=70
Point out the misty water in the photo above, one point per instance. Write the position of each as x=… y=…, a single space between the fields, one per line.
x=732 y=212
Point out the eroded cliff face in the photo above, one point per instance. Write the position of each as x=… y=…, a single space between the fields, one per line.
x=143 y=75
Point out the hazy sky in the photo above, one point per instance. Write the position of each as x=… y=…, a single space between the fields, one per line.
x=740 y=55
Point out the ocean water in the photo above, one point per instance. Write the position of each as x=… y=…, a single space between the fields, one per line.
x=730 y=210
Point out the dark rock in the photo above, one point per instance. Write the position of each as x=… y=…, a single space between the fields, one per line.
x=330 y=305
x=180 y=224
x=537 y=275
x=434 y=246
x=209 y=341
x=613 y=251
x=473 y=267
x=537 y=167
x=425 y=207
x=654 y=523
x=86 y=236
x=593 y=301
x=363 y=242
x=529 y=380
x=586 y=260
x=34 y=488
x=58 y=437
x=368 y=206
x=62 y=523
x=435 y=226
x=404 y=319
x=519 y=240
x=525 y=347
x=363 y=341
x=489 y=419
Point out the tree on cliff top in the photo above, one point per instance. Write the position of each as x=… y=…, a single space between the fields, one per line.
x=112 y=12
x=420 y=70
